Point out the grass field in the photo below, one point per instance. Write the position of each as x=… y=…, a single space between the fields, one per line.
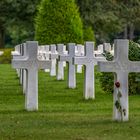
x=63 y=113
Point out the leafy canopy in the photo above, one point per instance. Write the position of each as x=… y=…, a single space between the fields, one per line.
x=58 y=21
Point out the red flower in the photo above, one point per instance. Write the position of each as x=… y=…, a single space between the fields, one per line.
x=117 y=84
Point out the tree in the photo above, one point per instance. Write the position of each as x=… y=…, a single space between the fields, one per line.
x=129 y=13
x=100 y=15
x=88 y=34
x=109 y=18
x=58 y=21
x=16 y=15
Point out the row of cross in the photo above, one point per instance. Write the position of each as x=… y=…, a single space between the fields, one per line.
x=28 y=61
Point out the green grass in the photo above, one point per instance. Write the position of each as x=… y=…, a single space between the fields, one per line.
x=63 y=113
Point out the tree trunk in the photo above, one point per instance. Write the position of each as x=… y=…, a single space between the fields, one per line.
x=131 y=31
x=125 y=32
x=2 y=37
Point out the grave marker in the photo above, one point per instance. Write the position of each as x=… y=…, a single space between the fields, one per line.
x=47 y=55
x=80 y=52
x=71 y=68
x=1 y=53
x=121 y=66
x=53 y=57
x=65 y=52
x=89 y=61
x=107 y=47
x=31 y=64
x=60 y=72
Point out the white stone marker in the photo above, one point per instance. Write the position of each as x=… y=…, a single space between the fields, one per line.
x=53 y=57
x=1 y=53
x=60 y=69
x=31 y=64
x=21 y=70
x=71 y=68
x=14 y=53
x=24 y=72
x=47 y=55
x=65 y=52
x=19 y=52
x=112 y=51
x=80 y=52
x=100 y=50
x=121 y=66
x=40 y=52
x=107 y=47
x=89 y=60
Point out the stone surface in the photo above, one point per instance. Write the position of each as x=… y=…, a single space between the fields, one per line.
x=47 y=55
x=21 y=75
x=65 y=52
x=14 y=53
x=89 y=60
x=53 y=57
x=71 y=67
x=80 y=52
x=1 y=53
x=60 y=69
x=31 y=63
x=44 y=54
x=112 y=51
x=107 y=47
x=121 y=66
x=100 y=50
x=24 y=71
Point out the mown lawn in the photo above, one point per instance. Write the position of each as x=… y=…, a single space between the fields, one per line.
x=63 y=113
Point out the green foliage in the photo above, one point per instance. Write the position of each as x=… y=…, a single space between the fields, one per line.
x=102 y=16
x=134 y=78
x=107 y=79
x=89 y=34
x=111 y=17
x=16 y=20
x=6 y=57
x=58 y=21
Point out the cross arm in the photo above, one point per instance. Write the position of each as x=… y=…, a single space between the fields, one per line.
x=43 y=64
x=108 y=66
x=81 y=60
x=53 y=55
x=64 y=58
x=1 y=52
x=19 y=64
x=15 y=53
x=134 y=66
x=100 y=59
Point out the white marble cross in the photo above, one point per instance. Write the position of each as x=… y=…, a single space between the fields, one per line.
x=41 y=52
x=53 y=57
x=121 y=66
x=99 y=51
x=14 y=53
x=80 y=52
x=47 y=55
x=89 y=61
x=65 y=52
x=1 y=53
x=24 y=72
x=100 y=48
x=60 y=69
x=31 y=64
x=21 y=49
x=71 y=67
x=19 y=52
x=107 y=47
